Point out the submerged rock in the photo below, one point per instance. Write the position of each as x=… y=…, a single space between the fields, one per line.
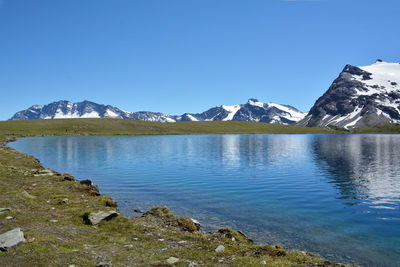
x=95 y=218
x=11 y=239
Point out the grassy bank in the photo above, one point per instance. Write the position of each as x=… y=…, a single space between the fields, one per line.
x=50 y=208
x=386 y=128
x=132 y=127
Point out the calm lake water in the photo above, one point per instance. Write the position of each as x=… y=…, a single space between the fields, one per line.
x=336 y=195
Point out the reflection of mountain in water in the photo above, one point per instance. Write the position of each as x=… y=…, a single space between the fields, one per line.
x=364 y=167
x=255 y=151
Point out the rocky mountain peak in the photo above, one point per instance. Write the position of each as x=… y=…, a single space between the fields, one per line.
x=360 y=97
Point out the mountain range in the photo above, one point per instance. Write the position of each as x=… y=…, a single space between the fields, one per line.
x=360 y=97
x=253 y=110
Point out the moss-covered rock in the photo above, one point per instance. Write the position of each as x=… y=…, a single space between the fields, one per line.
x=187 y=224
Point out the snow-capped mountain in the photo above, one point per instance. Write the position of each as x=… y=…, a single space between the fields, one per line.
x=253 y=110
x=86 y=109
x=359 y=97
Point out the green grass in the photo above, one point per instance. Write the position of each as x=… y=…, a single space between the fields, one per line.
x=386 y=128
x=132 y=127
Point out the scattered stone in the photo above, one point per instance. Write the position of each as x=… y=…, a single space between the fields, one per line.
x=68 y=177
x=44 y=172
x=187 y=224
x=161 y=240
x=172 y=260
x=164 y=249
x=138 y=210
x=95 y=218
x=233 y=239
x=196 y=223
x=192 y=264
x=30 y=240
x=54 y=221
x=104 y=264
x=34 y=184
x=243 y=234
x=72 y=265
x=48 y=201
x=93 y=189
x=111 y=203
x=9 y=217
x=11 y=239
x=263 y=263
x=5 y=209
x=128 y=246
x=52 y=208
x=87 y=182
x=63 y=201
x=220 y=249
x=27 y=195
x=182 y=242
x=220 y=260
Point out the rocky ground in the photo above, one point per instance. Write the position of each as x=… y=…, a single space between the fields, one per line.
x=50 y=219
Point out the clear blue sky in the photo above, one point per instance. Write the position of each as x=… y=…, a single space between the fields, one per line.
x=177 y=56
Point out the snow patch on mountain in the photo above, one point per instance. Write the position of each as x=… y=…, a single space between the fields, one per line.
x=232 y=111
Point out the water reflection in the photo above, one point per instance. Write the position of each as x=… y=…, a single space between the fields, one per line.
x=365 y=168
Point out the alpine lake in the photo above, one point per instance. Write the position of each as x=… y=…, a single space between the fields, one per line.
x=335 y=195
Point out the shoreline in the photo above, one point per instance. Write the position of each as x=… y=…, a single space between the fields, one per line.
x=164 y=228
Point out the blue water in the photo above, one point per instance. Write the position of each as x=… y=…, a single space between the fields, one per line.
x=335 y=195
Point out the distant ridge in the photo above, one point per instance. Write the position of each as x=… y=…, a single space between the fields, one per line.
x=253 y=110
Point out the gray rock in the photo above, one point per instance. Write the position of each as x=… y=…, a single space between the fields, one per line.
x=220 y=249
x=5 y=209
x=263 y=263
x=172 y=260
x=27 y=195
x=11 y=239
x=87 y=182
x=104 y=264
x=95 y=218
x=63 y=201
x=196 y=223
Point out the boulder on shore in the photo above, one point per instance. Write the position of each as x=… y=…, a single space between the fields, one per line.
x=96 y=217
x=11 y=239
